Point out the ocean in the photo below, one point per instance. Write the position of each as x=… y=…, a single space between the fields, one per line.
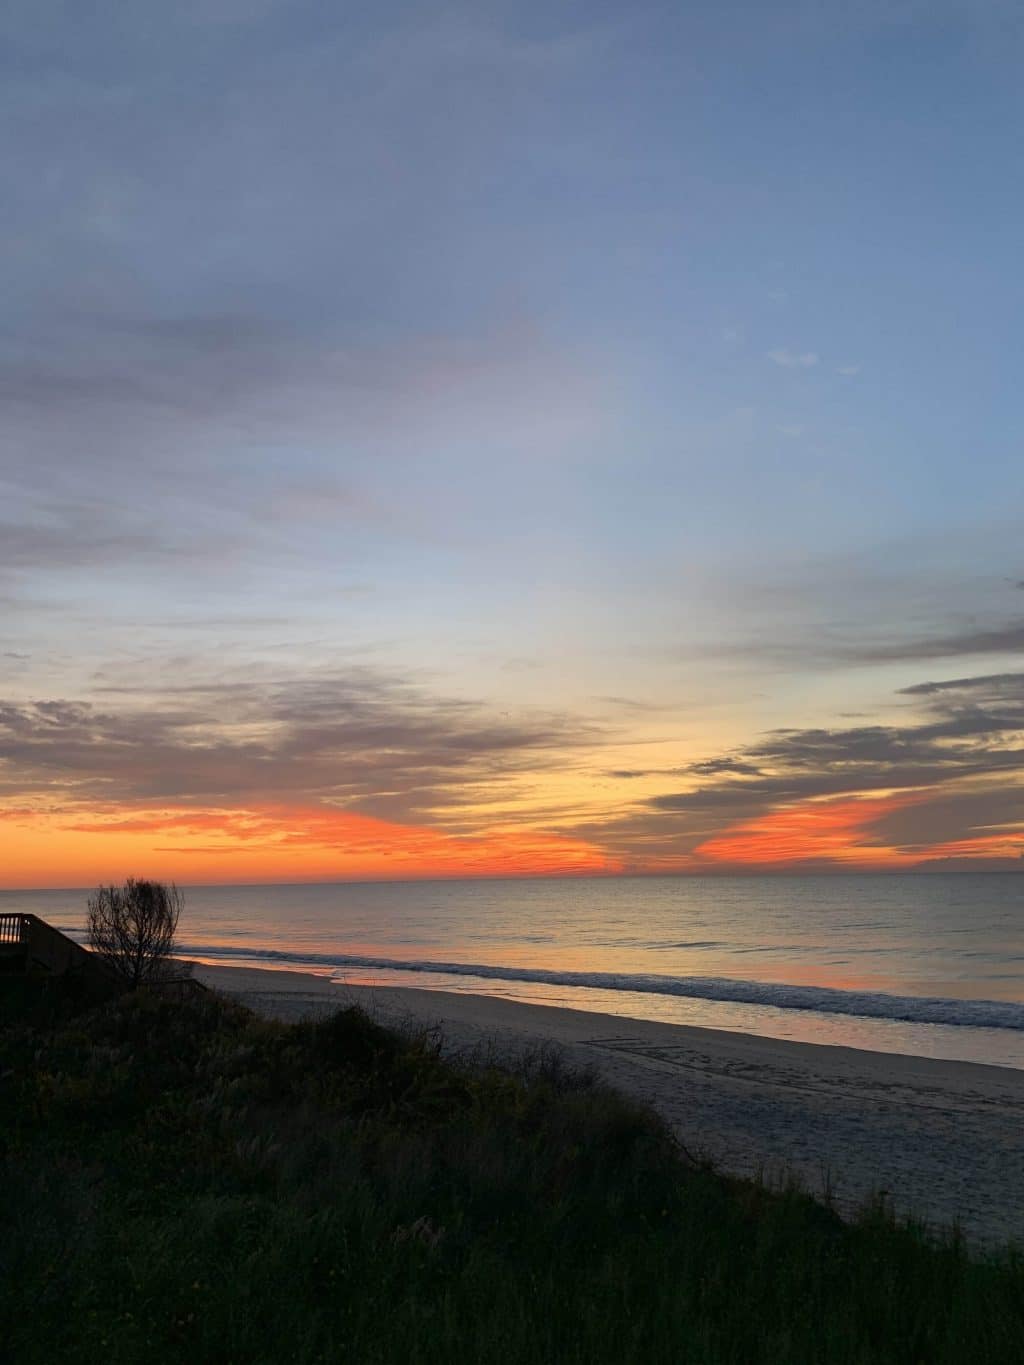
x=927 y=964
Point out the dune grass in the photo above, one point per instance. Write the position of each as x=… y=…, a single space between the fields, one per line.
x=186 y=1182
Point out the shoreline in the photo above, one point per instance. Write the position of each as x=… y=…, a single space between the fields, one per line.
x=943 y=1139
x=288 y=983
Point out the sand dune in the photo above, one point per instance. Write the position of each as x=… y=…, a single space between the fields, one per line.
x=945 y=1140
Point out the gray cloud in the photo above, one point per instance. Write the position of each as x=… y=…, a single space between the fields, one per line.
x=71 y=535
x=964 y=759
x=196 y=367
x=1003 y=639
x=365 y=741
x=100 y=383
x=998 y=684
x=825 y=647
x=631 y=704
x=712 y=767
x=906 y=600
x=361 y=740
x=951 y=816
x=756 y=798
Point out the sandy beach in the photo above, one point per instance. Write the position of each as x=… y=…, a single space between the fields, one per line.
x=945 y=1140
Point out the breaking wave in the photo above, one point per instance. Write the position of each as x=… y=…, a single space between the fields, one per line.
x=1000 y=1014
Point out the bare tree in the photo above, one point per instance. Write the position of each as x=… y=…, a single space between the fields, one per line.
x=132 y=928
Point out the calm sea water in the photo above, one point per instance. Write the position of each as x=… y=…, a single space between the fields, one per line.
x=929 y=965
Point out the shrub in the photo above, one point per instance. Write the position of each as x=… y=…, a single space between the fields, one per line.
x=132 y=927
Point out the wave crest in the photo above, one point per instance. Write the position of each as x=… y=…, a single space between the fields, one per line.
x=1002 y=1014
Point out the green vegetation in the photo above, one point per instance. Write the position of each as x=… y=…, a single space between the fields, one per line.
x=183 y=1181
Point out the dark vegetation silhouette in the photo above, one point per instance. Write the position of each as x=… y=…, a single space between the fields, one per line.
x=183 y=1181
x=133 y=927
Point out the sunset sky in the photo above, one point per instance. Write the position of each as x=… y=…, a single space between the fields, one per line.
x=483 y=439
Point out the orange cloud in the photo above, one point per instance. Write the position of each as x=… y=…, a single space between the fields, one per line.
x=833 y=831
x=1009 y=844
x=274 y=843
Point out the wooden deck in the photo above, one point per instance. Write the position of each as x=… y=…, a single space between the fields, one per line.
x=31 y=947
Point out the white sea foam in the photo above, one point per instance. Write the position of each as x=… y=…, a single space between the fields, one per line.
x=820 y=999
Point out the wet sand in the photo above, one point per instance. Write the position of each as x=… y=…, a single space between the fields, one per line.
x=943 y=1140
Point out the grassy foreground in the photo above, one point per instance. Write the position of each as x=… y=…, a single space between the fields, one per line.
x=187 y=1182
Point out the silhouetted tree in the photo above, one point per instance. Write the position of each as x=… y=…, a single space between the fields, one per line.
x=132 y=928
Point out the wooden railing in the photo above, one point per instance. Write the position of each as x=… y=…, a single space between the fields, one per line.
x=45 y=948
x=34 y=946
x=14 y=930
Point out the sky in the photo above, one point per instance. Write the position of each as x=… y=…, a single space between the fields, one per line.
x=506 y=439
